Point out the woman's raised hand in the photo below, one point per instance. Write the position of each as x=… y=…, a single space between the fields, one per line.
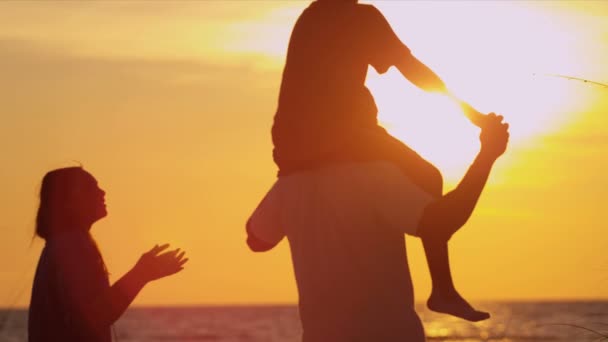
x=153 y=265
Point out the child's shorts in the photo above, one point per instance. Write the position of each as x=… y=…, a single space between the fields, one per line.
x=363 y=145
x=377 y=144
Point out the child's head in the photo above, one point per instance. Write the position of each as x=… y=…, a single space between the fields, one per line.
x=339 y=1
x=70 y=199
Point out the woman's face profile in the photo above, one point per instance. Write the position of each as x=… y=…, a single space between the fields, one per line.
x=89 y=200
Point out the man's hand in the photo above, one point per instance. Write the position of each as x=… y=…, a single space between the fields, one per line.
x=494 y=136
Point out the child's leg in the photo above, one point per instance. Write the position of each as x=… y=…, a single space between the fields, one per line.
x=444 y=297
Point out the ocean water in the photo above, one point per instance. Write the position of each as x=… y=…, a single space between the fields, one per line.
x=511 y=321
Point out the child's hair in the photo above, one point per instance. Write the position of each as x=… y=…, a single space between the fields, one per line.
x=55 y=194
x=340 y=1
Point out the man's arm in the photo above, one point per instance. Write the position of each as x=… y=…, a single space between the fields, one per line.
x=264 y=228
x=447 y=214
x=256 y=244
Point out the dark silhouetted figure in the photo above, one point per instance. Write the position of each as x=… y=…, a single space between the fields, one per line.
x=72 y=299
x=327 y=115
x=325 y=123
x=345 y=223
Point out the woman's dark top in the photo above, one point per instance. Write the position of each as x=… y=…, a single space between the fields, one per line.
x=70 y=283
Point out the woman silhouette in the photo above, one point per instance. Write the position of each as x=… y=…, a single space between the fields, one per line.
x=72 y=299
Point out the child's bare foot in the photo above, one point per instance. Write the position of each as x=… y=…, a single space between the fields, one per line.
x=453 y=304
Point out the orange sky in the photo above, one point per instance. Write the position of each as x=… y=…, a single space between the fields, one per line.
x=169 y=105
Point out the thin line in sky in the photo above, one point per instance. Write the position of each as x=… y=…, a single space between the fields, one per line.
x=577 y=79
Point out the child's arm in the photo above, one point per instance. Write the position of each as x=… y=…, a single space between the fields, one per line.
x=424 y=78
x=477 y=118
x=421 y=75
x=386 y=50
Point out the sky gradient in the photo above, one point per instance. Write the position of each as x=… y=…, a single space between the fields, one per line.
x=169 y=105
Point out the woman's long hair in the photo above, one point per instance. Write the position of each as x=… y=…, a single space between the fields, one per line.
x=55 y=197
x=56 y=212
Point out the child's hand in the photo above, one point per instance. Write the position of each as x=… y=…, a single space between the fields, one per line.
x=477 y=118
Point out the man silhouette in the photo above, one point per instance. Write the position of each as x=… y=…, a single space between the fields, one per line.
x=326 y=115
x=345 y=224
x=347 y=191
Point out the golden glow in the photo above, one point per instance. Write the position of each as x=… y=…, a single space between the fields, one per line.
x=170 y=104
x=490 y=62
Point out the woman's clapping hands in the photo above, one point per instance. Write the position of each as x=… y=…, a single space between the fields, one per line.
x=154 y=265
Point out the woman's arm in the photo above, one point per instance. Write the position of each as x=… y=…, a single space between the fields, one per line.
x=151 y=266
x=99 y=308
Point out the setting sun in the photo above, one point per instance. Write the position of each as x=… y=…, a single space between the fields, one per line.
x=491 y=63
x=169 y=105
x=485 y=59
